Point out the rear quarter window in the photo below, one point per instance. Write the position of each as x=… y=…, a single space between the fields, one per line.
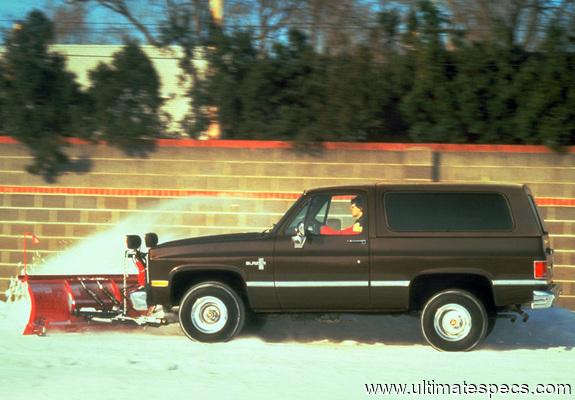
x=447 y=212
x=537 y=214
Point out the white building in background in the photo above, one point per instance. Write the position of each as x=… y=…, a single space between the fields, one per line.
x=81 y=59
x=174 y=86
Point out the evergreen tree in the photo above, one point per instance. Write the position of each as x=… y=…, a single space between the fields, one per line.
x=230 y=59
x=126 y=100
x=475 y=90
x=547 y=106
x=41 y=103
x=280 y=96
x=354 y=98
x=259 y=101
x=393 y=76
x=484 y=93
x=298 y=89
x=502 y=105
x=430 y=107
x=2 y=98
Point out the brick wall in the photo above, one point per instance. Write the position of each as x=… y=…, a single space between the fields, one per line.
x=232 y=186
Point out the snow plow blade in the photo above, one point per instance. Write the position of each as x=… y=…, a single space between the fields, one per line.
x=74 y=302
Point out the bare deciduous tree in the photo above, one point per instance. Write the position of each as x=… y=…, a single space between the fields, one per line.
x=523 y=21
x=266 y=18
x=70 y=24
x=126 y=9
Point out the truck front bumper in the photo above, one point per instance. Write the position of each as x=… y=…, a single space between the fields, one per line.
x=545 y=298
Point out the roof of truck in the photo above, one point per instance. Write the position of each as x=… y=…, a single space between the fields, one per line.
x=431 y=186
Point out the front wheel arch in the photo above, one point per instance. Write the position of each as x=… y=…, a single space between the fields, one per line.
x=182 y=279
x=211 y=311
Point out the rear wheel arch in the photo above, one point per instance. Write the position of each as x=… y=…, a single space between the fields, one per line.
x=425 y=286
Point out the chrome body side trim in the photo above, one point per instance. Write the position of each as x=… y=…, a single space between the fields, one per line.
x=260 y=284
x=390 y=283
x=292 y=284
x=519 y=282
x=286 y=284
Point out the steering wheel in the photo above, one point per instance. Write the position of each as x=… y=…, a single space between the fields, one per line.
x=314 y=227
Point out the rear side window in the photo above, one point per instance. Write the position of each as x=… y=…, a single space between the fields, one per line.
x=537 y=214
x=447 y=212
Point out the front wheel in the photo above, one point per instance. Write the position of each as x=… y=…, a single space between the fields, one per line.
x=454 y=320
x=211 y=312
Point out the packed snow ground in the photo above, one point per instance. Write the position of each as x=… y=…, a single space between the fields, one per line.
x=281 y=357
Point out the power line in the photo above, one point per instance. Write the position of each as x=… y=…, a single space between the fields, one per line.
x=444 y=64
x=338 y=25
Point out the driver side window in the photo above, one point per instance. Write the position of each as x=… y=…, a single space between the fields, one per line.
x=341 y=214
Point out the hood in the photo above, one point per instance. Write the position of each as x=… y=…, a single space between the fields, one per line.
x=232 y=237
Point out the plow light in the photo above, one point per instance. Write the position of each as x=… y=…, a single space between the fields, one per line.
x=133 y=242
x=151 y=239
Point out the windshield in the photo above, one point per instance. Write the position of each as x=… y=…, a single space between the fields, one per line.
x=295 y=206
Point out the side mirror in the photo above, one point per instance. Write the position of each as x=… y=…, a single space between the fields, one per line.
x=299 y=239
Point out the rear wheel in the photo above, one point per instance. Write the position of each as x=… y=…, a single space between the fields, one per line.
x=454 y=320
x=211 y=312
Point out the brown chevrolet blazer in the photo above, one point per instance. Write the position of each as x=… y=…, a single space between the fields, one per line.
x=460 y=255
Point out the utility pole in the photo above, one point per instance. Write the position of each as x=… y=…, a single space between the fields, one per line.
x=217 y=10
x=214 y=130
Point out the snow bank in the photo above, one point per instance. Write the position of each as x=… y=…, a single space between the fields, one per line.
x=278 y=357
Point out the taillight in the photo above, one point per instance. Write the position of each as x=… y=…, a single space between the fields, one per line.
x=540 y=269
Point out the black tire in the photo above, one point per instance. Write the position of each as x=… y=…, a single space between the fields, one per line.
x=211 y=312
x=454 y=320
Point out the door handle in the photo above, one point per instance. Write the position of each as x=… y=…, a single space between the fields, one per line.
x=360 y=241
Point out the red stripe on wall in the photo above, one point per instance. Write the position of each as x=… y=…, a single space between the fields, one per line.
x=11 y=140
x=7 y=140
x=227 y=144
x=555 y=202
x=127 y=192
x=275 y=144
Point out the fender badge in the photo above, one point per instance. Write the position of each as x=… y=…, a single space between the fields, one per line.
x=260 y=263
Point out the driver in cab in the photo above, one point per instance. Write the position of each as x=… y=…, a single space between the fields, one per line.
x=357 y=212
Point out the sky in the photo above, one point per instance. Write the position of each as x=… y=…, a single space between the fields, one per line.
x=17 y=9
x=14 y=10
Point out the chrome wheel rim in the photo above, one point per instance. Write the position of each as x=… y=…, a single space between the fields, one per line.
x=452 y=322
x=209 y=314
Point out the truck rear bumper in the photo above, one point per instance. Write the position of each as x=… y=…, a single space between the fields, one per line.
x=545 y=298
